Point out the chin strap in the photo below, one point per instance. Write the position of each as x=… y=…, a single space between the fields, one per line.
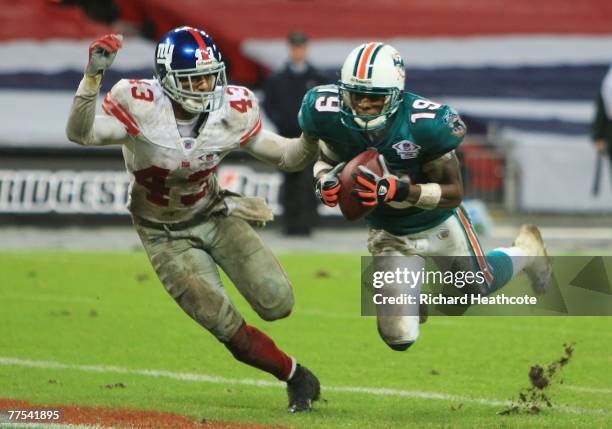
x=373 y=125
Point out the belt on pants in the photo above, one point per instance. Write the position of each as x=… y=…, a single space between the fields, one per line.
x=175 y=226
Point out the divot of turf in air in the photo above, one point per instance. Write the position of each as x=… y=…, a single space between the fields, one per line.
x=532 y=400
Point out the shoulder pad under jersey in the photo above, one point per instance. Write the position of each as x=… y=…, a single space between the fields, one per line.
x=437 y=127
x=132 y=101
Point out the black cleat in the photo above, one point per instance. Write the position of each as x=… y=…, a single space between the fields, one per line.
x=303 y=389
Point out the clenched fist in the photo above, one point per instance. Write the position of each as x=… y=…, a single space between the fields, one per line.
x=102 y=53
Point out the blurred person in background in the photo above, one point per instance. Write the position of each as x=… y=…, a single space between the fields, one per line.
x=174 y=131
x=284 y=91
x=601 y=130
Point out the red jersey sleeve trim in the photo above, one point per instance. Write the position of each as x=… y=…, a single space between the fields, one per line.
x=254 y=131
x=114 y=108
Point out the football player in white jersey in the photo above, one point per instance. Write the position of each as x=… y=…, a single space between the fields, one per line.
x=174 y=131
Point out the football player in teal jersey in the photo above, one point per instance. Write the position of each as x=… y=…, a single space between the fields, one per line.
x=418 y=198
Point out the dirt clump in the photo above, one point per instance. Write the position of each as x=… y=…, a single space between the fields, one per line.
x=534 y=399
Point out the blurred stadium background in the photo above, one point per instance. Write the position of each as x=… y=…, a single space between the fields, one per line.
x=524 y=74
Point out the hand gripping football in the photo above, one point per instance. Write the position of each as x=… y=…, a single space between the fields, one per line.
x=349 y=204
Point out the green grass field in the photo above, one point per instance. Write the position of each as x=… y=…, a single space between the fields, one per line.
x=75 y=310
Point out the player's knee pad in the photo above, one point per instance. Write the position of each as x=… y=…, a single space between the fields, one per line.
x=398 y=332
x=280 y=308
x=278 y=312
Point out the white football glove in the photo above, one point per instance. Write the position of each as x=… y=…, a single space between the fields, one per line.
x=102 y=53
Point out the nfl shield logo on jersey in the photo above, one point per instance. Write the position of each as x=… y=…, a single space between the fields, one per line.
x=188 y=143
x=406 y=149
x=210 y=159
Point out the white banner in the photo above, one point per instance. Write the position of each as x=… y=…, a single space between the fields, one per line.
x=107 y=192
x=557 y=173
x=44 y=191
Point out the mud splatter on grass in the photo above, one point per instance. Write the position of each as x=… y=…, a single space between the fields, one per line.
x=534 y=399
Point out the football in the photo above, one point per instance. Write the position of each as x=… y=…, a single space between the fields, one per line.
x=349 y=204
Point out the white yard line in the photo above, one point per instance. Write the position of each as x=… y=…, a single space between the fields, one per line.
x=594 y=390
x=204 y=378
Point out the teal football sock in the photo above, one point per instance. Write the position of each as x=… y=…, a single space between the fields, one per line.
x=501 y=266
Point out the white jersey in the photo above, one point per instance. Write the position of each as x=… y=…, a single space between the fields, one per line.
x=173 y=177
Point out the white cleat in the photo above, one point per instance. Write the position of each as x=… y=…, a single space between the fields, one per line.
x=539 y=268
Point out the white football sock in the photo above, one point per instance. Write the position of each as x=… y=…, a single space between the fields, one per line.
x=519 y=258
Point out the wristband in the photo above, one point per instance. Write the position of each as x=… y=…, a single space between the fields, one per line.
x=321 y=167
x=430 y=196
x=90 y=85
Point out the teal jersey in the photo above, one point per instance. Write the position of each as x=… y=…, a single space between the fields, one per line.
x=419 y=131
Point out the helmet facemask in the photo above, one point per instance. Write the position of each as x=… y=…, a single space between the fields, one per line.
x=349 y=98
x=191 y=99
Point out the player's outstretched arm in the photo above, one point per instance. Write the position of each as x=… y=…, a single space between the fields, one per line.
x=285 y=153
x=84 y=127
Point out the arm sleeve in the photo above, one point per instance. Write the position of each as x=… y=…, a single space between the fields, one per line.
x=327 y=154
x=287 y=154
x=326 y=160
x=84 y=126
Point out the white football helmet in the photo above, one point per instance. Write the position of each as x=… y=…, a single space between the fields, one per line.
x=376 y=69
